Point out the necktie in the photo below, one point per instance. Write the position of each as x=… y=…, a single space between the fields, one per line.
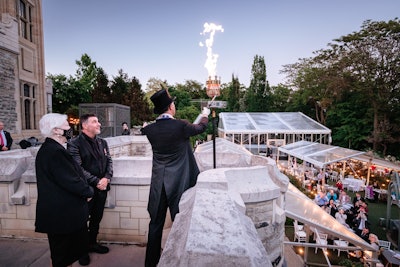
x=1 y=139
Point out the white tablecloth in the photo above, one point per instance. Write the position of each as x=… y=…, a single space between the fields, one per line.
x=356 y=183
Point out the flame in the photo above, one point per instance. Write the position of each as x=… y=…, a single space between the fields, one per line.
x=211 y=62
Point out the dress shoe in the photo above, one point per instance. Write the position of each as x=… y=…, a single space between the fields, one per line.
x=84 y=260
x=98 y=248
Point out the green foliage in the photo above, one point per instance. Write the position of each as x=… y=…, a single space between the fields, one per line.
x=233 y=95
x=135 y=99
x=256 y=96
x=101 y=92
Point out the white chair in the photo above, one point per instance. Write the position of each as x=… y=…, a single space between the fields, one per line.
x=299 y=233
x=297 y=226
x=341 y=243
x=384 y=244
x=352 y=187
x=300 y=236
x=322 y=239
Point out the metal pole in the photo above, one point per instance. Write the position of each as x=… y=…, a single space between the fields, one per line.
x=213 y=129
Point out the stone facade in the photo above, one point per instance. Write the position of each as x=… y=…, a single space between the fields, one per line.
x=22 y=64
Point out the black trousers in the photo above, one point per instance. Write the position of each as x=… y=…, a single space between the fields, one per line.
x=153 y=250
x=96 y=210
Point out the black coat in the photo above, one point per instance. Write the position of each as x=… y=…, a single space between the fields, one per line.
x=174 y=165
x=94 y=166
x=62 y=206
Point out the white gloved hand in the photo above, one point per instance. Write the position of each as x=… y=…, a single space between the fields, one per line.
x=206 y=111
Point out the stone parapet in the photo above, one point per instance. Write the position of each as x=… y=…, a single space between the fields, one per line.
x=210 y=231
x=125 y=217
x=228 y=204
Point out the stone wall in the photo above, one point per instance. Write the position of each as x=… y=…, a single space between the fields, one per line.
x=8 y=71
x=230 y=218
x=125 y=217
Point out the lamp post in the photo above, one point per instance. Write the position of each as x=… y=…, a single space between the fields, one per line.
x=213 y=90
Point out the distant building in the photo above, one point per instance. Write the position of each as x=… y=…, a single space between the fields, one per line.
x=24 y=94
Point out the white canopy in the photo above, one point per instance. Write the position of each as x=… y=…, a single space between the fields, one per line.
x=270 y=122
x=318 y=154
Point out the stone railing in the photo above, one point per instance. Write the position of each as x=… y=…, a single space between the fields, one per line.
x=233 y=216
x=125 y=217
x=230 y=216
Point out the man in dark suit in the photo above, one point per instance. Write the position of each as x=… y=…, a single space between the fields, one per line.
x=174 y=166
x=5 y=138
x=92 y=154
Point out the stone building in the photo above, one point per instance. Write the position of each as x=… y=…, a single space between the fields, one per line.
x=24 y=94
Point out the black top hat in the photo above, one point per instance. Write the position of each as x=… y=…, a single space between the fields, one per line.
x=161 y=101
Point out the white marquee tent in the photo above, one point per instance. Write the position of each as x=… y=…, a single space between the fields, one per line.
x=318 y=154
x=261 y=130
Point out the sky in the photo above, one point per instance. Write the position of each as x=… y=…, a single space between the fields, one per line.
x=161 y=38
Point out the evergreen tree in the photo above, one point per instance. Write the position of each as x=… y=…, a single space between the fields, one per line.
x=119 y=87
x=101 y=92
x=134 y=97
x=233 y=104
x=258 y=91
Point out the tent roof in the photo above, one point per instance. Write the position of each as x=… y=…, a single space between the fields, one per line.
x=270 y=122
x=318 y=154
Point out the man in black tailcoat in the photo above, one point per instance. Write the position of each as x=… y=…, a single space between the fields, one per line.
x=174 y=166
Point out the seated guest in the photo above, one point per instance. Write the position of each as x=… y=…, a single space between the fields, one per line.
x=361 y=221
x=341 y=217
x=331 y=208
x=339 y=185
x=374 y=241
x=364 y=234
x=332 y=195
x=344 y=198
x=364 y=205
x=358 y=197
x=321 y=199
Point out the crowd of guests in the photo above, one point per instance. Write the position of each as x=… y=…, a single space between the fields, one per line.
x=352 y=213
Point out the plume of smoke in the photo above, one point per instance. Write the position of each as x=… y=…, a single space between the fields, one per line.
x=211 y=61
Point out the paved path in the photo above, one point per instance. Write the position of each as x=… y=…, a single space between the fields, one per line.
x=36 y=253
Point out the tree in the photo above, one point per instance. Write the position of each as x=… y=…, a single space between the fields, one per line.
x=365 y=65
x=233 y=97
x=119 y=87
x=372 y=58
x=280 y=96
x=86 y=75
x=258 y=91
x=101 y=92
x=66 y=92
x=135 y=99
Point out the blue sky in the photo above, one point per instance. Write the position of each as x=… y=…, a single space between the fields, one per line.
x=160 y=38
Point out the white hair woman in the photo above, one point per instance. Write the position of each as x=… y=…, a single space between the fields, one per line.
x=374 y=241
x=61 y=209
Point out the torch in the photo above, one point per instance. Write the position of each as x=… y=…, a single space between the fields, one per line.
x=213 y=90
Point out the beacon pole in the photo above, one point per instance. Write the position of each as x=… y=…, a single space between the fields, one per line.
x=213 y=90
